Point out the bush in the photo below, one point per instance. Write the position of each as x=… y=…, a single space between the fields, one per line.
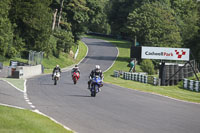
x=147 y=66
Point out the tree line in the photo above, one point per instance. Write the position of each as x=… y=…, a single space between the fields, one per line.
x=54 y=26
x=51 y=26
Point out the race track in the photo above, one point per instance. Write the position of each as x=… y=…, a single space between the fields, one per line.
x=114 y=109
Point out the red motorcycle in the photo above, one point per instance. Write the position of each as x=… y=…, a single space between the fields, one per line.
x=75 y=77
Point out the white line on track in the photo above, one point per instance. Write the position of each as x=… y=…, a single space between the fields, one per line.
x=13 y=85
x=115 y=58
x=38 y=112
x=70 y=67
x=33 y=108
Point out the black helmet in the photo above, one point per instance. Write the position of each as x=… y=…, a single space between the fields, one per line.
x=76 y=65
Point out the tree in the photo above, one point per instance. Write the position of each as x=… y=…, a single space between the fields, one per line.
x=117 y=14
x=97 y=16
x=6 y=33
x=147 y=66
x=187 y=17
x=154 y=24
x=34 y=20
x=77 y=14
x=63 y=43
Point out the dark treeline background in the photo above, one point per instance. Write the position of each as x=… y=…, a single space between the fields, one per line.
x=54 y=26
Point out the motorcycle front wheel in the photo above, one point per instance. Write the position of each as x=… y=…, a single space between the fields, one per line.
x=75 y=81
x=55 y=81
x=93 y=91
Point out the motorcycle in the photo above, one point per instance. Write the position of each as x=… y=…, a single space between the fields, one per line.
x=56 y=77
x=95 y=85
x=75 y=77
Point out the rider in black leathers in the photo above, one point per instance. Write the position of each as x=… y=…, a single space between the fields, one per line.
x=96 y=72
x=57 y=68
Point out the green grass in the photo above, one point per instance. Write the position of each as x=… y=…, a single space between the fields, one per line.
x=19 y=83
x=64 y=60
x=82 y=52
x=121 y=64
x=24 y=121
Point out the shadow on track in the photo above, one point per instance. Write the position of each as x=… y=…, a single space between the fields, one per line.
x=79 y=95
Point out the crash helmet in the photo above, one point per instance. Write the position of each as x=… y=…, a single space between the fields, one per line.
x=97 y=67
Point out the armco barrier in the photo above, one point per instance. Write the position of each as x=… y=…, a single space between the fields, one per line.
x=137 y=77
x=191 y=85
x=116 y=74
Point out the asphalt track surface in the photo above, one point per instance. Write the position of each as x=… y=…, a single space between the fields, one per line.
x=114 y=109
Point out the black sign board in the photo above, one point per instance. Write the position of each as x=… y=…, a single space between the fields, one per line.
x=135 y=52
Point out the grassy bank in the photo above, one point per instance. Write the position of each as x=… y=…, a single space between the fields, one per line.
x=24 y=121
x=121 y=64
x=65 y=60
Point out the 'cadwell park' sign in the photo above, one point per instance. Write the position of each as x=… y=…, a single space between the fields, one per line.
x=164 y=53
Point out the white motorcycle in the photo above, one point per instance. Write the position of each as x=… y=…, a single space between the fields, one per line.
x=56 y=77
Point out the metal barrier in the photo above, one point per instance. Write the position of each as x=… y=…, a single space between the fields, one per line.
x=116 y=74
x=35 y=58
x=138 y=77
x=191 y=85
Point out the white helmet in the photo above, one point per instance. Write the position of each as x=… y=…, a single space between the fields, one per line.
x=57 y=65
x=97 y=67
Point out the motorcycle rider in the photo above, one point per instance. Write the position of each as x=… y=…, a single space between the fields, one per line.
x=57 y=68
x=75 y=69
x=96 y=72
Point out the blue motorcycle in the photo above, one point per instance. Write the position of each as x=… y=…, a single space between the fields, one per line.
x=95 y=85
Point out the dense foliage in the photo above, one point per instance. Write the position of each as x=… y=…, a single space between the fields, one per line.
x=6 y=33
x=147 y=66
x=54 y=26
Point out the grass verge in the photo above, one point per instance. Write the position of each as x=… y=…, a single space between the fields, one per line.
x=65 y=60
x=19 y=83
x=14 y=120
x=121 y=64
x=24 y=121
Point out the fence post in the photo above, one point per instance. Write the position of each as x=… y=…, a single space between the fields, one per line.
x=142 y=78
x=129 y=78
x=132 y=76
x=185 y=83
x=196 y=86
x=116 y=74
x=135 y=77
x=139 y=77
x=154 y=80
x=146 y=79
x=124 y=75
x=191 y=85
